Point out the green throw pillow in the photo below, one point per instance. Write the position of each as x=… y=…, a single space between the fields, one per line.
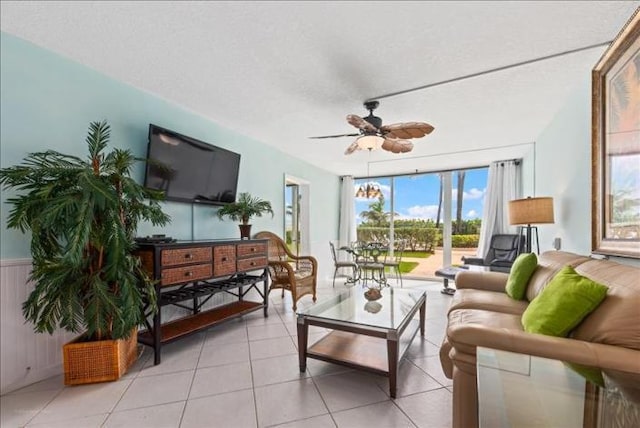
x=592 y=374
x=563 y=304
x=520 y=273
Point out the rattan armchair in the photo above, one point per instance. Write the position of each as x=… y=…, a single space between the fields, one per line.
x=298 y=274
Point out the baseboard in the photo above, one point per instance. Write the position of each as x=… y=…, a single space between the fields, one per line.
x=33 y=376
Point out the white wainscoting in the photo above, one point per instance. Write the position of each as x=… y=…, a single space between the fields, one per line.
x=25 y=356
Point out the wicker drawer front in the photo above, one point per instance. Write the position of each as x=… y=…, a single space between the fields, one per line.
x=257 y=249
x=252 y=264
x=186 y=274
x=224 y=260
x=185 y=256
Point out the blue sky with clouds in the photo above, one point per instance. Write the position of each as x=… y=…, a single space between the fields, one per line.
x=416 y=197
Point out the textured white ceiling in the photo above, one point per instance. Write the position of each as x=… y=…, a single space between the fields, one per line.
x=280 y=72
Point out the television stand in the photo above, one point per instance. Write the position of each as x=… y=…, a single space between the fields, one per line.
x=189 y=273
x=155 y=239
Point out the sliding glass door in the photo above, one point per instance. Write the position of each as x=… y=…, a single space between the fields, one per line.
x=411 y=208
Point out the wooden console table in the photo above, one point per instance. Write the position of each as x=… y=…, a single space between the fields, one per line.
x=194 y=271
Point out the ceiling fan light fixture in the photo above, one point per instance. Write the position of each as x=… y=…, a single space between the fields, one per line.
x=361 y=192
x=370 y=142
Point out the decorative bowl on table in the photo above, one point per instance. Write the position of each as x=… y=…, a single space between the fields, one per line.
x=372 y=294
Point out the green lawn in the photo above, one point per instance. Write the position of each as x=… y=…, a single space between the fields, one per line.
x=405 y=267
x=417 y=254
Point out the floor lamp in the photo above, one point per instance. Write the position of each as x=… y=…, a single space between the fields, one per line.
x=528 y=211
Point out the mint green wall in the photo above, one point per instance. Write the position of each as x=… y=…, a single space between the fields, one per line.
x=47 y=102
x=563 y=171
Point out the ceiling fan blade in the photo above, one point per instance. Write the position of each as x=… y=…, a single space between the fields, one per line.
x=397 y=146
x=407 y=130
x=335 y=136
x=352 y=148
x=360 y=123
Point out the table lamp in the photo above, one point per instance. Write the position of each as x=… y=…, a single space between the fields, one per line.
x=528 y=211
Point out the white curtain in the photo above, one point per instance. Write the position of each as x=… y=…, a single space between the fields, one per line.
x=504 y=185
x=347 y=232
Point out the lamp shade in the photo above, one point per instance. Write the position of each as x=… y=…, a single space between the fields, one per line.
x=531 y=211
x=370 y=142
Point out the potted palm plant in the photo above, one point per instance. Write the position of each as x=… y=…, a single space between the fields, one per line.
x=83 y=215
x=243 y=210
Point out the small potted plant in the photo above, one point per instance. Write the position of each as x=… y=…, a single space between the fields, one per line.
x=83 y=215
x=243 y=210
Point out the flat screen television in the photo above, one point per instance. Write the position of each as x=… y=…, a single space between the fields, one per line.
x=189 y=170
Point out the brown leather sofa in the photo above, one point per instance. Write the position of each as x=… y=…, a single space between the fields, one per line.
x=481 y=314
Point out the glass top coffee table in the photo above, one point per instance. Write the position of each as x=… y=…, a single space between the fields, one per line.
x=367 y=335
x=519 y=390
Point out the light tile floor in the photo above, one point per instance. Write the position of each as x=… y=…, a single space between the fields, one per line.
x=245 y=374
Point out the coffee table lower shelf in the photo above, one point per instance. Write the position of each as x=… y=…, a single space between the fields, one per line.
x=352 y=350
x=374 y=354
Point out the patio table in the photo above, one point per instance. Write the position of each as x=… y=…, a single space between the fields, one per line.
x=366 y=256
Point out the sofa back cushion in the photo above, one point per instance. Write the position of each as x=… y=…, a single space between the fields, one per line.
x=469 y=298
x=549 y=264
x=617 y=320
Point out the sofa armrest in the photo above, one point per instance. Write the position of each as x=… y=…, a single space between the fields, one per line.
x=479 y=280
x=607 y=357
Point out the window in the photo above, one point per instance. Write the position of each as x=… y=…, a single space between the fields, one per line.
x=414 y=203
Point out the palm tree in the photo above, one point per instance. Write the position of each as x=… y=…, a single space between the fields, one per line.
x=376 y=214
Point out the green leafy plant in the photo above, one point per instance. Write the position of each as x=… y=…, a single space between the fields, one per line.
x=83 y=215
x=245 y=208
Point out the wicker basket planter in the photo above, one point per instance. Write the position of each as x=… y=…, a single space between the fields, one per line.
x=98 y=361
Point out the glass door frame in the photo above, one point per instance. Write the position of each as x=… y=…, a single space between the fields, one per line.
x=304 y=227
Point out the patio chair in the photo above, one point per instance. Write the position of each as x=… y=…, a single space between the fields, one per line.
x=342 y=264
x=393 y=262
x=297 y=274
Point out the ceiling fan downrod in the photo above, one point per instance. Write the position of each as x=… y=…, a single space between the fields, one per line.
x=373 y=120
x=371 y=106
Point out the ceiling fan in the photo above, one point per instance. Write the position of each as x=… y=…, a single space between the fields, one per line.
x=372 y=135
